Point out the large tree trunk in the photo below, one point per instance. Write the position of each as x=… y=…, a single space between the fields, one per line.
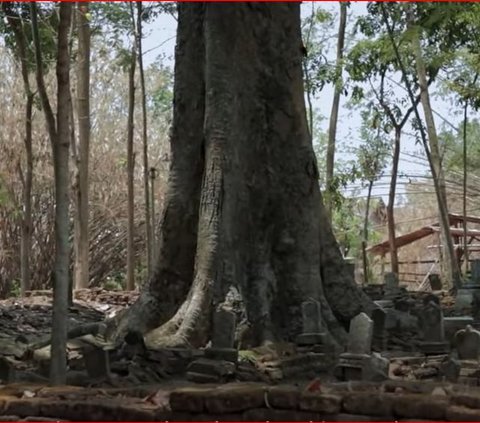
x=391 y=202
x=243 y=206
x=83 y=101
x=332 y=129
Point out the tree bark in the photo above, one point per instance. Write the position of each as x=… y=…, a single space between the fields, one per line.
x=332 y=129
x=130 y=175
x=146 y=193
x=391 y=202
x=243 y=206
x=83 y=105
x=452 y=271
x=365 y=233
x=59 y=132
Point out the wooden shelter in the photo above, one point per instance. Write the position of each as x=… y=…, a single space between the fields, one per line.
x=382 y=249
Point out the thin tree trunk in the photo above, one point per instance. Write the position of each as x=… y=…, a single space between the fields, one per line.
x=332 y=129
x=465 y=176
x=16 y=23
x=365 y=234
x=152 y=202
x=391 y=202
x=453 y=275
x=83 y=105
x=148 y=223
x=130 y=175
x=60 y=140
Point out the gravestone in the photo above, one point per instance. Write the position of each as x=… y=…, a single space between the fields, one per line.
x=435 y=282
x=358 y=363
x=453 y=324
x=431 y=321
x=313 y=333
x=475 y=271
x=467 y=343
x=392 y=287
x=97 y=362
x=379 y=340
x=223 y=337
x=360 y=335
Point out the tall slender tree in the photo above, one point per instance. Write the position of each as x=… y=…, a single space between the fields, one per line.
x=82 y=174
x=59 y=133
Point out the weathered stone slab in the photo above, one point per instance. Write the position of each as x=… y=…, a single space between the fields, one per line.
x=235 y=399
x=321 y=403
x=224 y=324
x=421 y=406
x=272 y=415
x=368 y=403
x=286 y=396
x=225 y=354
x=458 y=413
x=453 y=324
x=467 y=343
x=189 y=399
x=360 y=335
x=97 y=362
x=431 y=321
x=311 y=317
x=310 y=339
x=212 y=367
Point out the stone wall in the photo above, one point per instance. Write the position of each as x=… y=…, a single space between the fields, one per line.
x=360 y=401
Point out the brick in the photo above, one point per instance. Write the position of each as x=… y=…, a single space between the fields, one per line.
x=234 y=399
x=457 y=413
x=420 y=406
x=368 y=403
x=283 y=397
x=320 y=403
x=189 y=399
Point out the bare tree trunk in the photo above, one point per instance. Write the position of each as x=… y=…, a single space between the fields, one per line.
x=148 y=222
x=130 y=175
x=365 y=234
x=153 y=175
x=60 y=138
x=391 y=201
x=243 y=206
x=332 y=129
x=83 y=105
x=16 y=23
x=453 y=275
x=465 y=175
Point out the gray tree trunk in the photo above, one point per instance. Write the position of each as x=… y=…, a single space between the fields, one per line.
x=243 y=206
x=82 y=185
x=332 y=129
x=59 y=132
x=391 y=201
x=130 y=283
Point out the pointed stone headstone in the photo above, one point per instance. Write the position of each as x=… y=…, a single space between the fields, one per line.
x=467 y=343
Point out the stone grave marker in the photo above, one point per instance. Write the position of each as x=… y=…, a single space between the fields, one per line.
x=379 y=332
x=313 y=333
x=358 y=363
x=431 y=321
x=467 y=343
x=476 y=271
x=223 y=338
x=224 y=325
x=360 y=335
x=97 y=362
x=435 y=282
x=392 y=286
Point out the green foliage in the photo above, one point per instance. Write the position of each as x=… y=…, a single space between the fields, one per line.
x=453 y=147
